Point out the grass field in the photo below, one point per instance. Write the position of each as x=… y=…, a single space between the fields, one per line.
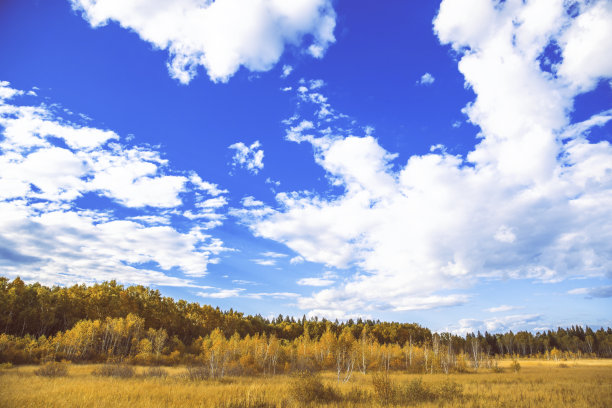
x=586 y=383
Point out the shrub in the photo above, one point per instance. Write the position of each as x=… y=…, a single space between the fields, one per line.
x=307 y=387
x=52 y=369
x=114 y=370
x=155 y=372
x=563 y=365
x=417 y=392
x=449 y=390
x=515 y=366
x=384 y=389
x=6 y=366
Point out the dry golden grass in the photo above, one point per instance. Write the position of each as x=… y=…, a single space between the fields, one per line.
x=585 y=383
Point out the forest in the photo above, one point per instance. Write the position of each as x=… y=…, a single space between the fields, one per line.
x=110 y=322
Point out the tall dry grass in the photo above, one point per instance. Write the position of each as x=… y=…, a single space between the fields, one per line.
x=537 y=384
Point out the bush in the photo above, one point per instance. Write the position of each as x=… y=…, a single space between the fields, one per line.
x=515 y=366
x=563 y=365
x=52 y=369
x=6 y=366
x=449 y=390
x=308 y=387
x=417 y=392
x=155 y=372
x=114 y=370
x=413 y=393
x=384 y=389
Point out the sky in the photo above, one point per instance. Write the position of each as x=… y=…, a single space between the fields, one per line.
x=445 y=163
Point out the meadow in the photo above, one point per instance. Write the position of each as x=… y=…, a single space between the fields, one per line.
x=581 y=383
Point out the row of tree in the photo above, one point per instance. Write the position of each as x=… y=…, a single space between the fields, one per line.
x=111 y=322
x=128 y=340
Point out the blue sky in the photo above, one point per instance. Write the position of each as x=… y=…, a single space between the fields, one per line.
x=447 y=163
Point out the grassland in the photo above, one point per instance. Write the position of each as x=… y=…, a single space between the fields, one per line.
x=585 y=383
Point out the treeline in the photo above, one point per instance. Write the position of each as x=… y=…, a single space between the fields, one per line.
x=109 y=322
x=38 y=310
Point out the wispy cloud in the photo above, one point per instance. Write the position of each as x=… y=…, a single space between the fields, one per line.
x=265 y=262
x=271 y=254
x=595 y=292
x=296 y=260
x=244 y=282
x=240 y=292
x=221 y=293
x=315 y=282
x=248 y=157
x=48 y=163
x=502 y=308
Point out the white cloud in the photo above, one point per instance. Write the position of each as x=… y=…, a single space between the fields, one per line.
x=220 y=36
x=151 y=219
x=497 y=324
x=212 y=203
x=6 y=92
x=315 y=282
x=296 y=260
x=532 y=200
x=265 y=262
x=244 y=282
x=250 y=201
x=584 y=63
x=273 y=182
x=502 y=308
x=596 y=292
x=222 y=293
x=505 y=234
x=287 y=69
x=426 y=79
x=271 y=254
x=48 y=237
x=274 y=295
x=328 y=278
x=240 y=292
x=315 y=84
x=248 y=157
x=210 y=188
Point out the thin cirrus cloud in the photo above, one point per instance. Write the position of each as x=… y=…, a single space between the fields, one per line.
x=596 y=292
x=240 y=292
x=420 y=233
x=49 y=167
x=220 y=36
x=327 y=279
x=315 y=282
x=502 y=308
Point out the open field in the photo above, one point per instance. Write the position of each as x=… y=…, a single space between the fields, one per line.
x=586 y=383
